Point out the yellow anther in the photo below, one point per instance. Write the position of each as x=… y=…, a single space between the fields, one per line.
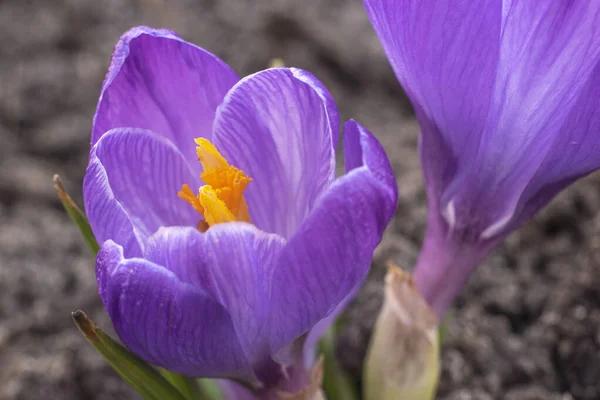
x=209 y=156
x=276 y=62
x=215 y=209
x=221 y=199
x=189 y=196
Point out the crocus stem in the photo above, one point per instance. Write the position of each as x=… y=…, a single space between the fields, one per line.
x=433 y=276
x=210 y=389
x=443 y=267
x=189 y=387
x=443 y=329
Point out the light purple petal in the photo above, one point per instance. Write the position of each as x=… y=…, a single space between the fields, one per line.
x=280 y=126
x=549 y=54
x=445 y=55
x=233 y=262
x=168 y=322
x=494 y=85
x=131 y=186
x=574 y=153
x=159 y=82
x=331 y=252
x=507 y=97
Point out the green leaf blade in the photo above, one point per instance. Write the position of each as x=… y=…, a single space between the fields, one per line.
x=140 y=375
x=336 y=383
x=77 y=215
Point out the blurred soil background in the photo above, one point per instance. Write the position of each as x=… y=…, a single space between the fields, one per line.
x=527 y=327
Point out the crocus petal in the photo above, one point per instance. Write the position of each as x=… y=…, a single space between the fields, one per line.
x=168 y=322
x=549 y=53
x=233 y=390
x=331 y=252
x=233 y=262
x=493 y=84
x=310 y=347
x=575 y=152
x=131 y=186
x=353 y=158
x=445 y=55
x=159 y=82
x=280 y=126
x=107 y=216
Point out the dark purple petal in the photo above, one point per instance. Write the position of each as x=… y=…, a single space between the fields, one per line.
x=310 y=347
x=131 y=186
x=167 y=322
x=280 y=126
x=159 y=82
x=233 y=390
x=353 y=158
x=107 y=216
x=233 y=262
x=330 y=254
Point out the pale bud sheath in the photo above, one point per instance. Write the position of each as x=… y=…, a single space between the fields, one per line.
x=403 y=359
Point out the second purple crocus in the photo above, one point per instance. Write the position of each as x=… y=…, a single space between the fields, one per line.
x=507 y=94
x=239 y=282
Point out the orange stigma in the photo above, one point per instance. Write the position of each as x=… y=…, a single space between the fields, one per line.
x=221 y=199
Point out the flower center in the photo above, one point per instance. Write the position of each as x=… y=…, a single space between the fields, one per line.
x=221 y=199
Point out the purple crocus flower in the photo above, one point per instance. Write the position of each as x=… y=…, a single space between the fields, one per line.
x=507 y=94
x=269 y=246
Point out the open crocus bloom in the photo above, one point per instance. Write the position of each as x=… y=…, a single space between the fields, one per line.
x=507 y=94
x=226 y=237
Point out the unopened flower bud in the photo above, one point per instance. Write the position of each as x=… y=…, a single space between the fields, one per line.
x=403 y=359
